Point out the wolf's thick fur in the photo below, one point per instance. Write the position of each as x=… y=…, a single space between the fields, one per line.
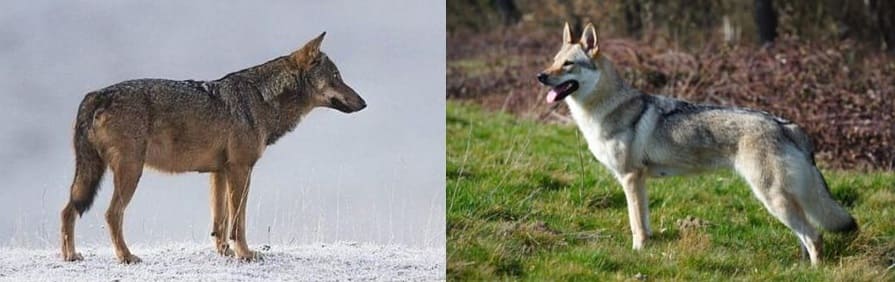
x=636 y=136
x=221 y=127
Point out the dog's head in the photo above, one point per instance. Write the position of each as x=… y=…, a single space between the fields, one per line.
x=323 y=80
x=574 y=69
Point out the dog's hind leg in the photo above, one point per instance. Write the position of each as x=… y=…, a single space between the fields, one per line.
x=219 y=213
x=767 y=174
x=638 y=211
x=127 y=169
x=788 y=211
x=238 y=178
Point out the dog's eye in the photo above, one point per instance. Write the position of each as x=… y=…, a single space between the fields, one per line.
x=567 y=63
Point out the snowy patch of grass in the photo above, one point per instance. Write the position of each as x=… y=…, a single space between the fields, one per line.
x=192 y=262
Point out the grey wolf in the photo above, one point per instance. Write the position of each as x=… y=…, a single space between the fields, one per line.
x=636 y=136
x=220 y=127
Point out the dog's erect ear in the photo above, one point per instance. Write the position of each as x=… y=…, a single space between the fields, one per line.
x=308 y=54
x=567 y=34
x=589 y=39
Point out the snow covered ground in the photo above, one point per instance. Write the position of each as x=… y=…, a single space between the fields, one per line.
x=194 y=261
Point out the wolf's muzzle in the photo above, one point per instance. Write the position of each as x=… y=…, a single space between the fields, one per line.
x=350 y=107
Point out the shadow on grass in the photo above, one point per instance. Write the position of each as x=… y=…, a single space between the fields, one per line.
x=549 y=182
x=609 y=200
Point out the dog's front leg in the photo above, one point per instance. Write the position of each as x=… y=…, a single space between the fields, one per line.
x=638 y=212
x=237 y=194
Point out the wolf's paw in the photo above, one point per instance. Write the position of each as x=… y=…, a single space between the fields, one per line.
x=250 y=256
x=129 y=259
x=224 y=250
x=72 y=257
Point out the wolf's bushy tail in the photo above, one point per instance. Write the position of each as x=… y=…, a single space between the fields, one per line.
x=90 y=167
x=826 y=212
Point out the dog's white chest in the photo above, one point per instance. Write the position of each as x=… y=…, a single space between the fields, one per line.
x=609 y=151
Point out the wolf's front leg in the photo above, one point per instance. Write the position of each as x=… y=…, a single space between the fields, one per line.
x=219 y=213
x=237 y=194
x=638 y=212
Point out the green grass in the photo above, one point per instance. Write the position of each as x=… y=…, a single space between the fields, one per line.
x=526 y=201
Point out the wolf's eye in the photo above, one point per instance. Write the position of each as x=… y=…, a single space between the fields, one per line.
x=567 y=63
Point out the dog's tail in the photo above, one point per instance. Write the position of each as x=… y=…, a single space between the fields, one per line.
x=90 y=167
x=826 y=212
x=820 y=207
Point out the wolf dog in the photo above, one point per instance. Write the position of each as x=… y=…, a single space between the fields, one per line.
x=220 y=127
x=636 y=136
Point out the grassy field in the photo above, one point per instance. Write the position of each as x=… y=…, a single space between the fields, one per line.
x=526 y=201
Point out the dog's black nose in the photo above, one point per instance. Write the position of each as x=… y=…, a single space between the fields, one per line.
x=542 y=77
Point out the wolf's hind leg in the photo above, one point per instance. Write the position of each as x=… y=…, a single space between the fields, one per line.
x=638 y=211
x=219 y=217
x=89 y=170
x=68 y=234
x=127 y=171
x=88 y=174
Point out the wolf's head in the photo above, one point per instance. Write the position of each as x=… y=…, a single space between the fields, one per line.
x=574 y=69
x=323 y=80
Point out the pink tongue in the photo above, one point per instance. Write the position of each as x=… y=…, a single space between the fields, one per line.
x=551 y=96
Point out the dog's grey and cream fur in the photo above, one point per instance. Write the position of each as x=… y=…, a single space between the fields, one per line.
x=637 y=136
x=221 y=127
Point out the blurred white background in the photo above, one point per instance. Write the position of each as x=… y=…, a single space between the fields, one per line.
x=373 y=176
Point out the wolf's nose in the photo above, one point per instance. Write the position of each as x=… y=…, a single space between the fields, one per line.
x=542 y=77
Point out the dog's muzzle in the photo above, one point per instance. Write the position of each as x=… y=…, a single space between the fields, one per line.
x=542 y=77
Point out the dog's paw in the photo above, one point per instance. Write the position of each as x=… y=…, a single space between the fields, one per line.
x=638 y=243
x=72 y=257
x=129 y=259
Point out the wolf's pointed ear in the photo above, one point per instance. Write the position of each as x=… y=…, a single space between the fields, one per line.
x=589 y=39
x=567 y=34
x=308 y=54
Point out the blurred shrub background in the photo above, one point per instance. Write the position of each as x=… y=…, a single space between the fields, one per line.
x=826 y=65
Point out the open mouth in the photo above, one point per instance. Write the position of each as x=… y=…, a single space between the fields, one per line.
x=561 y=91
